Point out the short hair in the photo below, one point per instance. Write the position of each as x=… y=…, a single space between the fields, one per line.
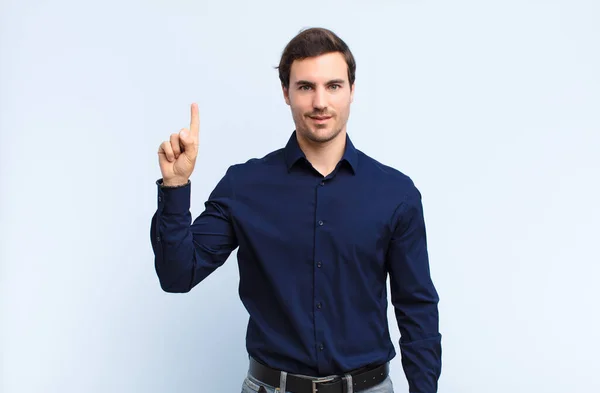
x=314 y=42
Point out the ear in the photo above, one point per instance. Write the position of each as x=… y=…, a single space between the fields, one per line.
x=286 y=94
x=352 y=91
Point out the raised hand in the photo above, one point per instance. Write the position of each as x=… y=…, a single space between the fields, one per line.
x=177 y=156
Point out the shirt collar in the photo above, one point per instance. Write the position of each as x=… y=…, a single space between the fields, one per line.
x=293 y=153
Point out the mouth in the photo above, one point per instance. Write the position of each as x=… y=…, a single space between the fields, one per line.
x=320 y=119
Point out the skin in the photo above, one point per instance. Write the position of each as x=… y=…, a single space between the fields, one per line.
x=319 y=96
x=177 y=156
x=319 y=87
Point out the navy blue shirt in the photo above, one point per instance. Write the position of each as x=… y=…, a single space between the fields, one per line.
x=314 y=254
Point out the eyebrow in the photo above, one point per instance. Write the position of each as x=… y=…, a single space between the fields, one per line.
x=331 y=82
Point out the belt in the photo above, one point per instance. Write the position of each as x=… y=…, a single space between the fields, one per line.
x=362 y=379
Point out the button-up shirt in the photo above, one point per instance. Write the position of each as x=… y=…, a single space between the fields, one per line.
x=314 y=254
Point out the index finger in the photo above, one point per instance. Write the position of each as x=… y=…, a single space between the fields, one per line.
x=195 y=121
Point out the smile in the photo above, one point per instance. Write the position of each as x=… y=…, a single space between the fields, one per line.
x=320 y=118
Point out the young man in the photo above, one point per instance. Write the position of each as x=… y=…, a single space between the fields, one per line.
x=320 y=226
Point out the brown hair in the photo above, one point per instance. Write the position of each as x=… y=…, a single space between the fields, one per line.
x=314 y=42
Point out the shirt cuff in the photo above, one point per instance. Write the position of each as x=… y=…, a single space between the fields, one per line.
x=174 y=199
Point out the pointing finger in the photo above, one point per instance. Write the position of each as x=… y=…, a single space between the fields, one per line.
x=195 y=121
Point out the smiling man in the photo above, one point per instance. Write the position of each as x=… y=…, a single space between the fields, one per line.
x=320 y=227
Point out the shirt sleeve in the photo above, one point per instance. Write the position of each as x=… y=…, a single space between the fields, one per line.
x=185 y=253
x=414 y=296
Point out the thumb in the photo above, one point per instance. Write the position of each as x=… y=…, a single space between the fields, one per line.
x=189 y=144
x=184 y=137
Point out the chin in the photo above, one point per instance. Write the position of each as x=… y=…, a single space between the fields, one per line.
x=321 y=135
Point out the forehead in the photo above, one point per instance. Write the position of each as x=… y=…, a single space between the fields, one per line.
x=320 y=68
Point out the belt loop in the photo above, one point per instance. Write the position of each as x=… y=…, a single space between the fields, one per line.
x=349 y=385
x=282 y=381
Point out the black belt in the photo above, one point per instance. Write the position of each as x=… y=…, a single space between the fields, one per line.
x=361 y=379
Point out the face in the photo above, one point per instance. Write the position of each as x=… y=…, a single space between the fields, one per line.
x=319 y=96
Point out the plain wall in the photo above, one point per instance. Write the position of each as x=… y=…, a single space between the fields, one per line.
x=491 y=107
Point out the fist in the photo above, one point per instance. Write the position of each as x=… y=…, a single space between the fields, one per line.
x=177 y=156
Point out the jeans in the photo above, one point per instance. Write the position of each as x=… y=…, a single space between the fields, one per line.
x=251 y=385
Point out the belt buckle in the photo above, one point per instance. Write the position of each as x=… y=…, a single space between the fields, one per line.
x=317 y=381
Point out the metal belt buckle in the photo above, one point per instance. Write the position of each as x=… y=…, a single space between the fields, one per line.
x=318 y=381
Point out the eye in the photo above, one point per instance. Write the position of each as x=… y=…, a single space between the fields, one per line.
x=304 y=87
x=335 y=86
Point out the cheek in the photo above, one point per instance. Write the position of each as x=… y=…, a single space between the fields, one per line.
x=341 y=103
x=297 y=114
x=342 y=108
x=299 y=109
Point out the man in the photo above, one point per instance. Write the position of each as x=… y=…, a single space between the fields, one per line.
x=320 y=226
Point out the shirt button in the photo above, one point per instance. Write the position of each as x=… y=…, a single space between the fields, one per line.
x=159 y=199
x=320 y=222
x=321 y=347
x=319 y=264
x=157 y=238
x=322 y=183
x=319 y=305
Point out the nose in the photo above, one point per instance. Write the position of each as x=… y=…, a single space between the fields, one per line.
x=319 y=100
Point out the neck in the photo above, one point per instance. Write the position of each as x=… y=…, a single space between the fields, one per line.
x=324 y=156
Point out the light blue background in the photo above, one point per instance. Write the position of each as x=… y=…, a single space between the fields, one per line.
x=492 y=107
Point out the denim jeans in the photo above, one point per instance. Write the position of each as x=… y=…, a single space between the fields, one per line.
x=251 y=385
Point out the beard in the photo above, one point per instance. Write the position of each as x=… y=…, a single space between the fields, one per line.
x=320 y=133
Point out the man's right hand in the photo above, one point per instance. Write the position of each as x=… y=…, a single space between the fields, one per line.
x=177 y=156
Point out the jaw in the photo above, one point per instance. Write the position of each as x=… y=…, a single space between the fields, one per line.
x=322 y=134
